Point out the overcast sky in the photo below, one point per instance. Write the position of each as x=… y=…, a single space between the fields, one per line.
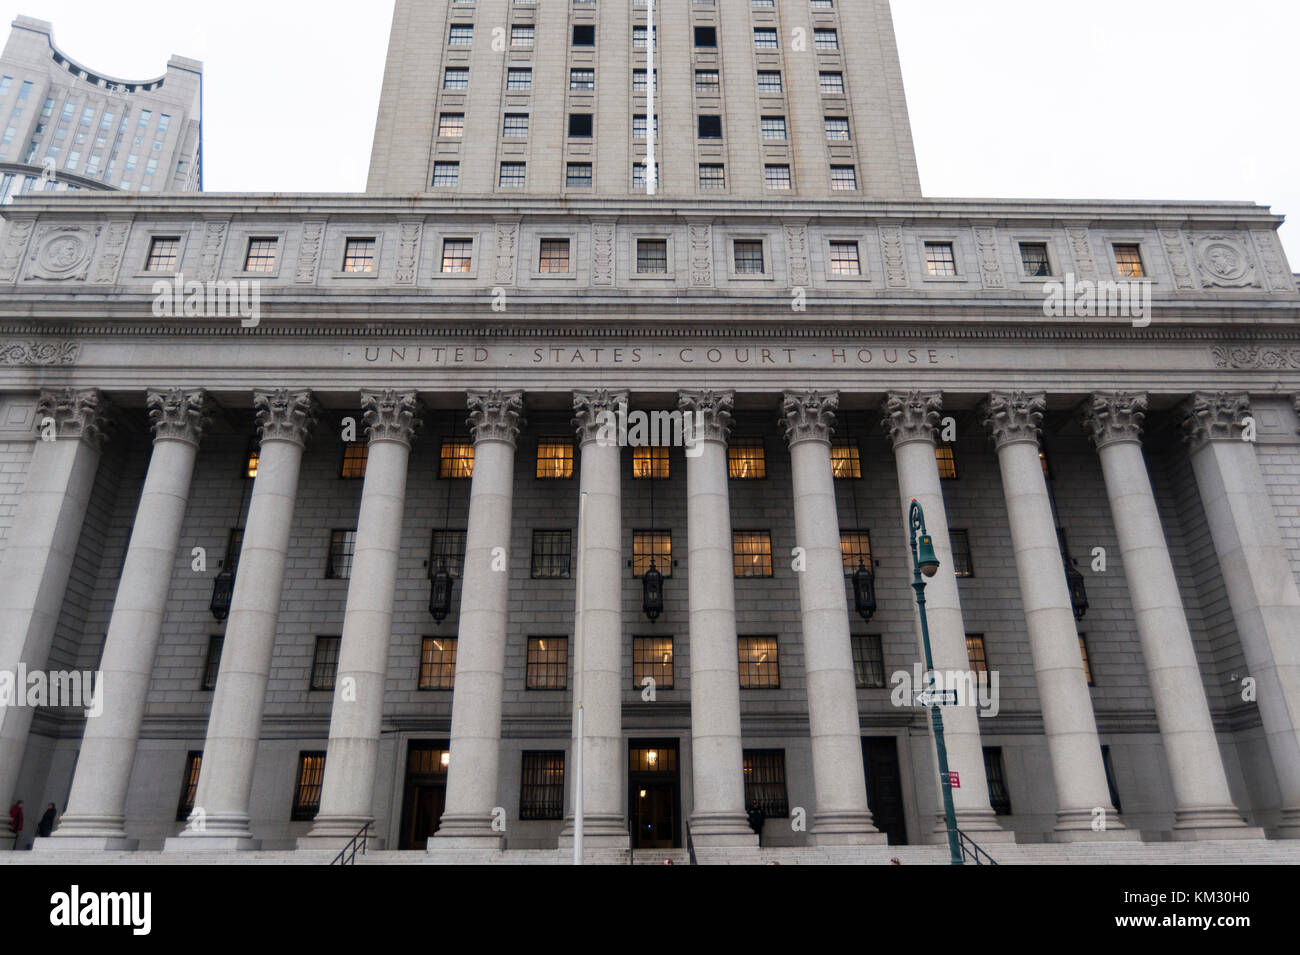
x=1078 y=99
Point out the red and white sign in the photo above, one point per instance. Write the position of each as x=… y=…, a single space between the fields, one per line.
x=954 y=781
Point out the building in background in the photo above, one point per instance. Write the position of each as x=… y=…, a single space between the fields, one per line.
x=69 y=127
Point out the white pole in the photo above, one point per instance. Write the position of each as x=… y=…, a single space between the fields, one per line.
x=651 y=167
x=580 y=741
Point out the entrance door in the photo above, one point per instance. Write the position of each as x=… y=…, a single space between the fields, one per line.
x=654 y=794
x=885 y=787
x=425 y=792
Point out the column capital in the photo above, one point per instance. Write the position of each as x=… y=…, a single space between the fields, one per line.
x=1213 y=416
x=1013 y=416
x=391 y=415
x=1111 y=417
x=590 y=409
x=911 y=415
x=495 y=415
x=180 y=414
x=84 y=414
x=285 y=415
x=809 y=415
x=711 y=411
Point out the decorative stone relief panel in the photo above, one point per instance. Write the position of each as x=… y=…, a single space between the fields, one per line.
x=796 y=240
x=408 y=252
x=214 y=242
x=17 y=236
x=1085 y=263
x=986 y=250
x=62 y=253
x=891 y=247
x=39 y=353
x=1247 y=357
x=602 y=253
x=1180 y=262
x=507 y=245
x=701 y=255
x=313 y=234
x=1274 y=261
x=1224 y=261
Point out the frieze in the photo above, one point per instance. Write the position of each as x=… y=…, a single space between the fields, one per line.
x=39 y=353
x=1249 y=357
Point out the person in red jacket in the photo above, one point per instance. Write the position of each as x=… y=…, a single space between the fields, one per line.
x=16 y=821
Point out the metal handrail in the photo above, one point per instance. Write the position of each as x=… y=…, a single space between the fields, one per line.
x=974 y=853
x=690 y=846
x=348 y=854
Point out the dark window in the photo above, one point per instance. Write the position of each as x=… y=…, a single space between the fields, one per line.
x=212 y=666
x=706 y=37
x=999 y=797
x=759 y=663
x=748 y=257
x=551 y=554
x=710 y=127
x=1110 y=778
x=448 y=548
x=355 y=455
x=584 y=35
x=962 y=565
x=652 y=256
x=765 y=782
x=343 y=545
x=868 y=660
x=975 y=653
x=646 y=544
x=541 y=789
x=438 y=663
x=189 y=785
x=1033 y=255
x=751 y=553
x=548 y=663
x=234 y=545
x=311 y=777
x=652 y=657
x=577 y=175
x=1083 y=652
x=325 y=664
x=855 y=547
x=580 y=125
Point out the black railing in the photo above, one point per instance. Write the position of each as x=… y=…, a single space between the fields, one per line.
x=971 y=852
x=690 y=846
x=348 y=855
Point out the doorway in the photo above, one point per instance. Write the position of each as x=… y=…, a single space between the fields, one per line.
x=885 y=787
x=424 y=793
x=654 y=794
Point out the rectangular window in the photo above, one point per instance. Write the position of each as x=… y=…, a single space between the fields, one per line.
x=163 y=253
x=552 y=551
x=189 y=783
x=759 y=664
x=212 y=665
x=962 y=565
x=446 y=173
x=712 y=176
x=826 y=40
x=946 y=459
x=751 y=553
x=462 y=34
x=975 y=652
x=823 y=4
x=706 y=38
x=652 y=256
x=359 y=255
x=325 y=663
x=831 y=84
x=548 y=663
x=769 y=81
x=1034 y=257
x=844 y=259
x=638 y=125
x=251 y=461
x=457 y=255
x=311 y=777
x=765 y=782
x=451 y=125
x=638 y=176
x=709 y=127
x=580 y=125
x=261 y=255
x=748 y=257
x=774 y=127
x=777 y=177
x=541 y=785
x=456 y=460
x=1087 y=666
x=639 y=81
x=554 y=256
x=940 y=260
x=577 y=175
x=639 y=38
x=515 y=125
x=522 y=36
x=868 y=660
x=706 y=82
x=438 y=663
x=650 y=462
x=765 y=39
x=652 y=657
x=343 y=544
x=855 y=549
x=584 y=35
x=648 y=545
x=995 y=772
x=846 y=458
x=355 y=455
x=837 y=128
x=844 y=178
x=554 y=458
x=746 y=460
x=518 y=78
x=447 y=551
x=455 y=78
x=582 y=79
x=1128 y=260
x=512 y=174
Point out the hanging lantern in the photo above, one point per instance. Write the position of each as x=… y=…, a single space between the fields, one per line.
x=222 y=590
x=652 y=592
x=864 y=591
x=440 y=593
x=1078 y=591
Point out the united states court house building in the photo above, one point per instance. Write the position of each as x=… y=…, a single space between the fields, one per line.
x=318 y=486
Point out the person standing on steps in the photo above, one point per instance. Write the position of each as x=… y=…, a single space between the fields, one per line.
x=46 y=826
x=16 y=821
x=756 y=818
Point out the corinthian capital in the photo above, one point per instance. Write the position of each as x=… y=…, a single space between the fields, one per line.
x=1110 y=417
x=591 y=411
x=284 y=415
x=1013 y=416
x=711 y=412
x=391 y=415
x=809 y=415
x=495 y=415
x=911 y=415
x=71 y=413
x=179 y=414
x=1214 y=416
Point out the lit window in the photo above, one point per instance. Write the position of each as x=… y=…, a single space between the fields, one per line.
x=769 y=81
x=554 y=458
x=826 y=40
x=652 y=256
x=650 y=462
x=261 y=255
x=759 y=664
x=516 y=124
x=777 y=177
x=831 y=83
x=250 y=463
x=765 y=782
x=520 y=78
x=548 y=663
x=652 y=657
x=512 y=174
x=706 y=82
x=962 y=565
x=446 y=173
x=163 y=253
x=1083 y=652
x=940 y=259
x=325 y=664
x=1128 y=259
x=438 y=663
x=975 y=652
x=311 y=779
x=189 y=781
x=355 y=455
x=456 y=460
x=844 y=259
x=554 y=256
x=582 y=79
x=656 y=545
x=455 y=78
x=712 y=176
x=541 y=785
x=745 y=459
x=868 y=661
x=462 y=34
x=451 y=125
x=447 y=552
x=577 y=175
x=844 y=178
x=774 y=127
x=765 y=39
x=751 y=553
x=359 y=255
x=343 y=545
x=522 y=36
x=457 y=255
x=552 y=552
x=748 y=257
x=946 y=459
x=855 y=549
x=1033 y=255
x=846 y=459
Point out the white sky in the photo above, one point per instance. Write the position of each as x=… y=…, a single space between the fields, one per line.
x=1077 y=99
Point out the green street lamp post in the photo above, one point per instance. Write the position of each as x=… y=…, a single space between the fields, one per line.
x=924 y=561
